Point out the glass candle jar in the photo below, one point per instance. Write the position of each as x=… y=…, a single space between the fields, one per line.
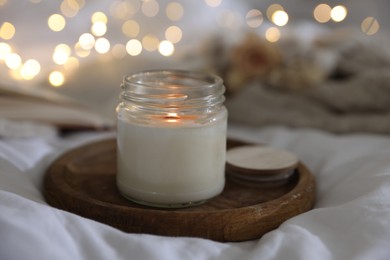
x=171 y=138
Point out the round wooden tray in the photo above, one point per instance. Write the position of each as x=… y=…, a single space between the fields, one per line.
x=82 y=181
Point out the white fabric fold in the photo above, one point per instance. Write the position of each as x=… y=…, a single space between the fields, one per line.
x=351 y=218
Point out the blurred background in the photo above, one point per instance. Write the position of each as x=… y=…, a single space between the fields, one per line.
x=82 y=49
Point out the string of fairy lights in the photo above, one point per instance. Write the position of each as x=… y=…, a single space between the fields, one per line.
x=96 y=41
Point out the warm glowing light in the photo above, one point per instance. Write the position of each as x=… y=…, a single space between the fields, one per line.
x=61 y=54
x=56 y=22
x=5 y=50
x=272 y=34
x=172 y=114
x=254 y=18
x=130 y=28
x=150 y=42
x=3 y=2
x=338 y=13
x=15 y=74
x=174 y=11
x=71 y=64
x=150 y=8
x=119 y=51
x=87 y=41
x=134 y=47
x=102 y=45
x=272 y=9
x=173 y=34
x=322 y=13
x=99 y=17
x=70 y=8
x=13 y=61
x=213 y=3
x=370 y=26
x=280 y=18
x=7 y=31
x=99 y=28
x=56 y=78
x=80 y=51
x=172 y=118
x=166 y=48
x=30 y=69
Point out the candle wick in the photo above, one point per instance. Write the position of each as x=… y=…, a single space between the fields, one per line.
x=172 y=117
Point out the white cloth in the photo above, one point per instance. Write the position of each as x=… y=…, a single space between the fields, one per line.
x=351 y=219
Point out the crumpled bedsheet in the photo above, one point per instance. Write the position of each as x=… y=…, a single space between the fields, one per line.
x=350 y=220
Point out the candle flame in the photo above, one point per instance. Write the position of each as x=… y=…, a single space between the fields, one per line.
x=172 y=117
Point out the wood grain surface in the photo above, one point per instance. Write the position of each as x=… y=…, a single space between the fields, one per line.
x=82 y=181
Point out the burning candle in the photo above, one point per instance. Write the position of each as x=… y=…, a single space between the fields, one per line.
x=171 y=138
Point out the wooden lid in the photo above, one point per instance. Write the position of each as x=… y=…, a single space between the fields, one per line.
x=262 y=163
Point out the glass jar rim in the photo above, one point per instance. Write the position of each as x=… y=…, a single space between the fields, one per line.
x=173 y=89
x=144 y=79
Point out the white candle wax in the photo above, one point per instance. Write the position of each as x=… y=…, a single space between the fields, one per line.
x=170 y=163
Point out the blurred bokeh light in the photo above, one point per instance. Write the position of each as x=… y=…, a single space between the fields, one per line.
x=338 y=13
x=63 y=35
x=322 y=13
